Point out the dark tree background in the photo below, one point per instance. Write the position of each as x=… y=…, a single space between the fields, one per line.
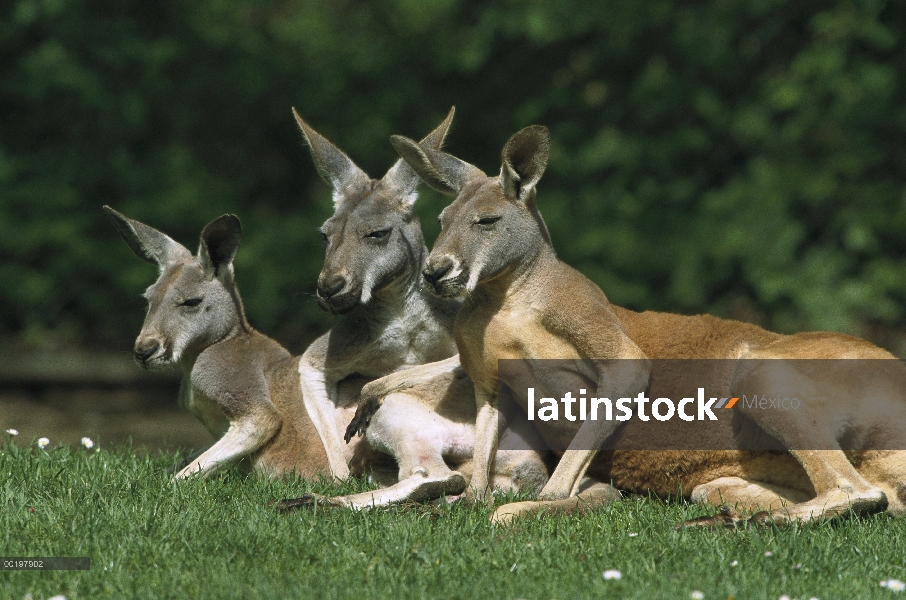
x=745 y=158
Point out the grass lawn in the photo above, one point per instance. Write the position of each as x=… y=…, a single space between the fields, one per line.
x=217 y=538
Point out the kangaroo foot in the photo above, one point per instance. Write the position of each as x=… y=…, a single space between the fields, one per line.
x=835 y=503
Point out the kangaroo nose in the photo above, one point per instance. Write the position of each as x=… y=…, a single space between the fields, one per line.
x=331 y=287
x=146 y=349
x=433 y=274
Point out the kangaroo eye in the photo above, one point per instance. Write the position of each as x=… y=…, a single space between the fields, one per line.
x=379 y=234
x=191 y=302
x=323 y=237
x=487 y=220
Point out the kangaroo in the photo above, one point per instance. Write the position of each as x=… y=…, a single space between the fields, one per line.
x=522 y=302
x=371 y=276
x=239 y=383
x=244 y=386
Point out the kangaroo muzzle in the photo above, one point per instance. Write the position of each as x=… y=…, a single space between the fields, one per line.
x=434 y=273
x=331 y=287
x=444 y=276
x=337 y=293
x=145 y=349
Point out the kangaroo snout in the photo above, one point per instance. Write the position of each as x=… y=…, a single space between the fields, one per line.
x=434 y=271
x=331 y=287
x=145 y=349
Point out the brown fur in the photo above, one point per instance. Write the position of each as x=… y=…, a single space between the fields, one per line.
x=522 y=302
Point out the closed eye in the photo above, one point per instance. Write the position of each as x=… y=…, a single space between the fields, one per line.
x=191 y=302
x=487 y=220
x=379 y=234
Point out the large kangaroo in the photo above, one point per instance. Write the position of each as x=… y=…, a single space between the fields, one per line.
x=244 y=387
x=374 y=254
x=522 y=302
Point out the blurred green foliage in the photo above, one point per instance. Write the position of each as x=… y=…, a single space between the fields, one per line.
x=746 y=158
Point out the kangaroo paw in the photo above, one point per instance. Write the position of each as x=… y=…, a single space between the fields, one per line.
x=362 y=418
x=763 y=519
x=304 y=501
x=183 y=463
x=725 y=518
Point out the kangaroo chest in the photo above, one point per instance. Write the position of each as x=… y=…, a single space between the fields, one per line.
x=484 y=336
x=410 y=341
x=204 y=409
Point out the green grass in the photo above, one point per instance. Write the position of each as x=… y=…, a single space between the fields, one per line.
x=218 y=538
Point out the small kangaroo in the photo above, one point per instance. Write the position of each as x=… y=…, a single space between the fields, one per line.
x=244 y=386
x=240 y=384
x=522 y=302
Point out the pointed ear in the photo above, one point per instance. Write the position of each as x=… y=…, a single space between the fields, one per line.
x=524 y=160
x=401 y=178
x=443 y=172
x=219 y=243
x=435 y=139
x=332 y=164
x=148 y=243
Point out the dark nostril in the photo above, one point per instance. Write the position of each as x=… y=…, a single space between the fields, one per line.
x=434 y=275
x=332 y=287
x=145 y=351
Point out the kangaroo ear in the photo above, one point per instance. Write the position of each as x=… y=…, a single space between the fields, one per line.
x=332 y=164
x=443 y=172
x=435 y=139
x=148 y=243
x=219 y=243
x=401 y=178
x=524 y=160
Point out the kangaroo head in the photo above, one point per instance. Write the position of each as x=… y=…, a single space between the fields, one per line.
x=194 y=302
x=373 y=239
x=492 y=228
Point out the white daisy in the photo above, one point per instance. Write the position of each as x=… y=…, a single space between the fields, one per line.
x=86 y=441
x=696 y=595
x=611 y=574
x=43 y=442
x=894 y=585
x=12 y=432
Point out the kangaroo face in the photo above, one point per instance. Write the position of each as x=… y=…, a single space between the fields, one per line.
x=373 y=238
x=371 y=242
x=194 y=302
x=187 y=312
x=492 y=228
x=482 y=237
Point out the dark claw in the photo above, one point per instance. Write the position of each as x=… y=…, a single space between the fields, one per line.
x=727 y=518
x=291 y=504
x=183 y=463
x=762 y=519
x=724 y=518
x=362 y=418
